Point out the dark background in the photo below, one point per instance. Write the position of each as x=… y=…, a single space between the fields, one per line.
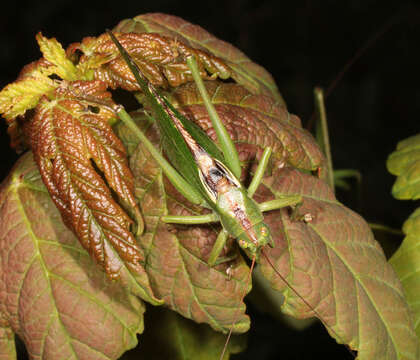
x=303 y=44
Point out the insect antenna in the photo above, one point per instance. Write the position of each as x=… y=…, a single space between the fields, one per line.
x=236 y=314
x=306 y=303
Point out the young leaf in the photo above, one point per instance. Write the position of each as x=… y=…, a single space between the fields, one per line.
x=235 y=63
x=160 y=58
x=51 y=292
x=406 y=262
x=24 y=94
x=405 y=163
x=333 y=261
x=74 y=145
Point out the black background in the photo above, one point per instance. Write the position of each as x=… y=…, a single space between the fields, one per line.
x=303 y=44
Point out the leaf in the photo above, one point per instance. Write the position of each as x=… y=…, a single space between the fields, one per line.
x=254 y=122
x=24 y=94
x=7 y=341
x=245 y=72
x=161 y=59
x=176 y=255
x=405 y=163
x=406 y=262
x=51 y=292
x=333 y=261
x=177 y=338
x=54 y=53
x=73 y=146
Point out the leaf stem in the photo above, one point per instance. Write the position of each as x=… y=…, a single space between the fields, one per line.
x=325 y=139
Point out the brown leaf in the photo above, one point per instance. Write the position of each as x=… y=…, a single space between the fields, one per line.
x=245 y=72
x=176 y=255
x=52 y=294
x=161 y=59
x=74 y=145
x=333 y=261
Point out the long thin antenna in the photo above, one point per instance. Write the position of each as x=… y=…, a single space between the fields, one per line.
x=235 y=316
x=305 y=302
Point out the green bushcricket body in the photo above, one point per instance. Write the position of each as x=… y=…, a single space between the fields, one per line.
x=212 y=174
x=211 y=182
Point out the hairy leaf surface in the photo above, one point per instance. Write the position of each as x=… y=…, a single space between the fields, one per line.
x=74 y=145
x=406 y=262
x=176 y=255
x=333 y=261
x=51 y=292
x=405 y=163
x=245 y=72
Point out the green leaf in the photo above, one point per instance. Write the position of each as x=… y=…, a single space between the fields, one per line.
x=177 y=338
x=405 y=163
x=245 y=72
x=406 y=262
x=176 y=256
x=334 y=262
x=24 y=94
x=54 y=53
x=52 y=294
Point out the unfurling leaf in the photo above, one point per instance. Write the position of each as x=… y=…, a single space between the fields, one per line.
x=81 y=160
x=245 y=72
x=406 y=262
x=24 y=94
x=405 y=163
x=160 y=58
x=332 y=260
x=52 y=295
x=54 y=53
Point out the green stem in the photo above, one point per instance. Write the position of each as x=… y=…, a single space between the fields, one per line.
x=226 y=143
x=174 y=177
x=384 y=228
x=325 y=141
x=256 y=180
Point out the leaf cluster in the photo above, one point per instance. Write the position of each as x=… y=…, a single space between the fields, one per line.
x=89 y=193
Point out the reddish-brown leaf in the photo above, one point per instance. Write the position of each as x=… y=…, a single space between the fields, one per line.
x=245 y=72
x=160 y=58
x=253 y=122
x=74 y=146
